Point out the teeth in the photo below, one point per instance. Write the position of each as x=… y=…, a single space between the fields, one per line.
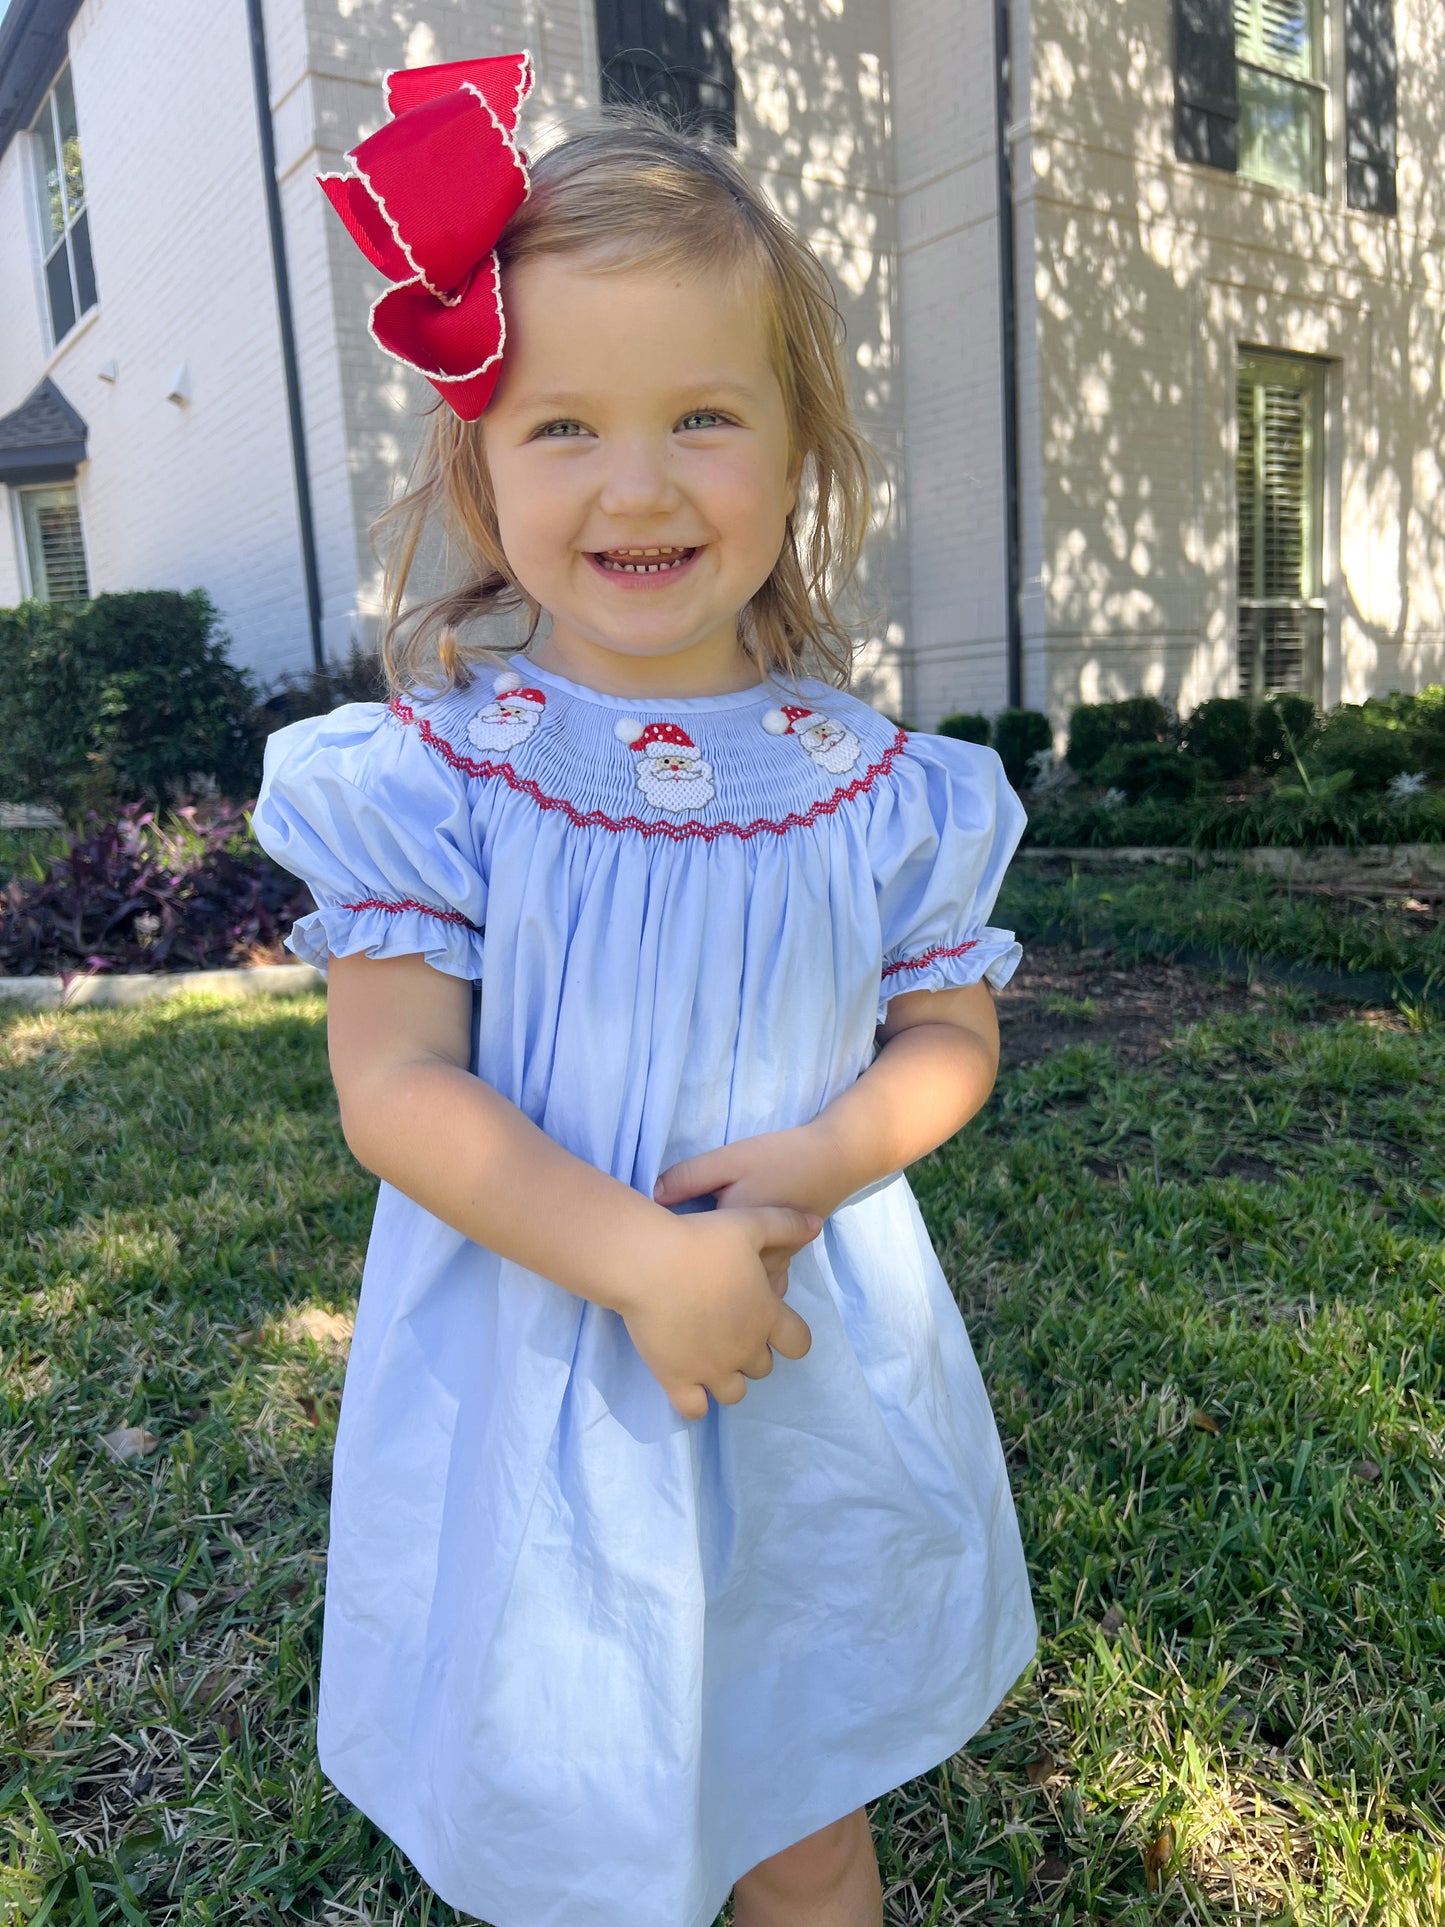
x=614 y=559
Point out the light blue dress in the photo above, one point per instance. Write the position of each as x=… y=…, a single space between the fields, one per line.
x=586 y=1661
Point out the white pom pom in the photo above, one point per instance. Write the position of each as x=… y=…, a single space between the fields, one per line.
x=775 y=722
x=627 y=729
x=509 y=679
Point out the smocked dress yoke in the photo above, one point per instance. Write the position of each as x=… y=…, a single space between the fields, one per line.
x=584 y=1660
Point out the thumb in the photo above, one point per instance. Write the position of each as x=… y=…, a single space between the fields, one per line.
x=783 y=1225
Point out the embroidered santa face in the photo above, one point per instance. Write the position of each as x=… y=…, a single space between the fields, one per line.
x=670 y=772
x=511 y=718
x=832 y=745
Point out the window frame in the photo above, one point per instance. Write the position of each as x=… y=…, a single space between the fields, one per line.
x=23 y=540
x=46 y=139
x=1310 y=376
x=1316 y=83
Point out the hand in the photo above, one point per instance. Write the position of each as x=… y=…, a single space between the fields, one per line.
x=800 y=1167
x=711 y=1313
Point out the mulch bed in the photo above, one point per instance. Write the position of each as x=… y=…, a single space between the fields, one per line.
x=1136 y=1010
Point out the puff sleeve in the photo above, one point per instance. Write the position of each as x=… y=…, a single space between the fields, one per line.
x=380 y=829
x=940 y=839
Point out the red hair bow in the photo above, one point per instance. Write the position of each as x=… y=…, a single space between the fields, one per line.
x=431 y=192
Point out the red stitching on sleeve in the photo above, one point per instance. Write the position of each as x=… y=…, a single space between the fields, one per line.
x=410 y=903
x=929 y=956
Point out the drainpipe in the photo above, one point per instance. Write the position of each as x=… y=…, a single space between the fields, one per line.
x=282 y=279
x=1003 y=77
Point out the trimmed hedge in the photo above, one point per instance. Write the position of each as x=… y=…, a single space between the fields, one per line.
x=126 y=698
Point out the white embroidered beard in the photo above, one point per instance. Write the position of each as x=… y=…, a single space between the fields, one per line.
x=497 y=727
x=831 y=747
x=687 y=788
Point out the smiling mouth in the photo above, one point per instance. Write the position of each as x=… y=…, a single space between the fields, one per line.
x=656 y=561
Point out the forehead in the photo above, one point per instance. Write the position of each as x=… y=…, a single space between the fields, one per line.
x=575 y=334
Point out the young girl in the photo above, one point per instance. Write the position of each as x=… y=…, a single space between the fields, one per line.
x=669 y=1522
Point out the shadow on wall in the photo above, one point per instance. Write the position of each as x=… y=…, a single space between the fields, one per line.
x=1149 y=274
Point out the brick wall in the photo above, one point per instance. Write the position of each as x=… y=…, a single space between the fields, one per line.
x=171 y=497
x=1149 y=274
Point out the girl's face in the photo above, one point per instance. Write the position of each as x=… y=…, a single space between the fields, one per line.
x=638 y=411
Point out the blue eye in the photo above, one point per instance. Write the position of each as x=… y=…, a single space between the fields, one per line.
x=547 y=427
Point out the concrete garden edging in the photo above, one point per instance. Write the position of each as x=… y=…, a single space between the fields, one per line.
x=1385 y=864
x=143 y=987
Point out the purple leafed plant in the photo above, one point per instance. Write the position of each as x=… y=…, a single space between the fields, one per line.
x=131 y=894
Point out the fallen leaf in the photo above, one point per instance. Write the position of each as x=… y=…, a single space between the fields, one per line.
x=129 y=1441
x=1157 y=1856
x=1366 y=1469
x=1112 y=1621
x=326 y=1327
x=187 y=1601
x=1202 y=1422
x=1051 y=1870
x=1041 y=1768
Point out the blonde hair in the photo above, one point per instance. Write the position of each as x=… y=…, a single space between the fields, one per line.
x=629 y=191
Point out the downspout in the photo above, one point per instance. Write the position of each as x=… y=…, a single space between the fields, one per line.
x=1003 y=77
x=282 y=280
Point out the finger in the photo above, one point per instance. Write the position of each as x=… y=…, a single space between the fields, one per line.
x=690 y=1178
x=783 y=1226
x=760 y=1366
x=790 y=1336
x=730 y=1390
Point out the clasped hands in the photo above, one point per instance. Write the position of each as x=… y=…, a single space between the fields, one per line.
x=716 y=1317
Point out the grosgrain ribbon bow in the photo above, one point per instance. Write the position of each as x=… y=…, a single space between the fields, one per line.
x=431 y=192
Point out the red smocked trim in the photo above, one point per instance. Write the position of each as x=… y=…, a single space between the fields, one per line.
x=679 y=832
x=930 y=956
x=410 y=903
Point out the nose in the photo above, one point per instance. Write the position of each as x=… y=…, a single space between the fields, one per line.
x=638 y=479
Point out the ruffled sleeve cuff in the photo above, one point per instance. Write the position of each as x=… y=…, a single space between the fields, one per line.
x=378 y=927
x=991 y=955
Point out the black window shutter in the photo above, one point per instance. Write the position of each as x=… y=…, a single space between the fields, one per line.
x=1370 y=105
x=675 y=58
x=1206 y=91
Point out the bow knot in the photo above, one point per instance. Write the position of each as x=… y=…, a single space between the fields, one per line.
x=431 y=191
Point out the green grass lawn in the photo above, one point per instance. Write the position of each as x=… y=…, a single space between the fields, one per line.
x=1206 y=1295
x=1225 y=909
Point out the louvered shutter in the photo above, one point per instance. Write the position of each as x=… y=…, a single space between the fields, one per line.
x=1206 y=89
x=1280 y=607
x=675 y=58
x=53 y=544
x=1370 y=70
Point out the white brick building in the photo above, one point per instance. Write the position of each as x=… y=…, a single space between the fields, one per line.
x=146 y=439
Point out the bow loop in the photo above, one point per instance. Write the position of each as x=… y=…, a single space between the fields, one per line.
x=432 y=190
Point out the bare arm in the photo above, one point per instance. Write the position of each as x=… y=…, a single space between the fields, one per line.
x=701 y=1294
x=934 y=1072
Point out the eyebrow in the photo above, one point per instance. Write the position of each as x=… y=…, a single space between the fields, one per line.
x=713 y=384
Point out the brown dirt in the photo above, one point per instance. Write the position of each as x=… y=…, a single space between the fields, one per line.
x=1135 y=1010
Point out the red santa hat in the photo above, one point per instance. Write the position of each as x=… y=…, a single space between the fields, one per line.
x=510 y=687
x=656 y=739
x=781 y=722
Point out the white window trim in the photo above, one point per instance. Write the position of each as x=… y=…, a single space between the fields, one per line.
x=22 y=546
x=44 y=246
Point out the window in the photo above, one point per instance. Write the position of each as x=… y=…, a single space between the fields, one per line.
x=1281 y=93
x=672 y=55
x=1280 y=506
x=1249 y=92
x=64 y=223
x=54 y=554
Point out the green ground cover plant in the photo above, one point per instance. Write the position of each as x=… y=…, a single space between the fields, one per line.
x=1205 y=1294
x=1163 y=909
